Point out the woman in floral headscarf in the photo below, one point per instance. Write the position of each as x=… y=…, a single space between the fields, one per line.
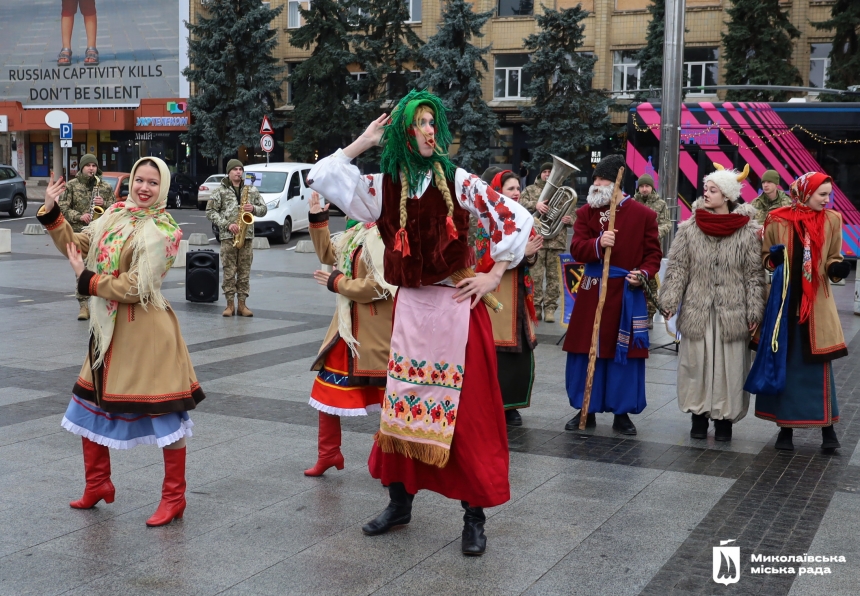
x=812 y=236
x=137 y=382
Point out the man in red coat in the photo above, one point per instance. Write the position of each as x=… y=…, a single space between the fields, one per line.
x=617 y=387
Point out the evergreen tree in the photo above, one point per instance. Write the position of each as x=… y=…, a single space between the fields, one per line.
x=844 y=68
x=237 y=79
x=758 y=50
x=651 y=56
x=567 y=115
x=453 y=68
x=321 y=85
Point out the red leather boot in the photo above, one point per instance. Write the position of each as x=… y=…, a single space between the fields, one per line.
x=97 y=472
x=329 y=446
x=172 y=504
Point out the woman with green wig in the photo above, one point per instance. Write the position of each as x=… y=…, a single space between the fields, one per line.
x=442 y=383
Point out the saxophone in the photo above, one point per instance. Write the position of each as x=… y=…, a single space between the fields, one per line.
x=95 y=211
x=244 y=220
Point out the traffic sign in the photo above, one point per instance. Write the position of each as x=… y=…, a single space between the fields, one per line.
x=65 y=143
x=266 y=127
x=267 y=143
x=66 y=131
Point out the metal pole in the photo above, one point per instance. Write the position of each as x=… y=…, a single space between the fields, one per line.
x=56 y=156
x=670 y=117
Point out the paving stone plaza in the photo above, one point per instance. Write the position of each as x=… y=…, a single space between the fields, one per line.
x=591 y=512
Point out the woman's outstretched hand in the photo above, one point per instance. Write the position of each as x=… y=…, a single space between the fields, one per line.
x=52 y=193
x=369 y=138
x=314 y=203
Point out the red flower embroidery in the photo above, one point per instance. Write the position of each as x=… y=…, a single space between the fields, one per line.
x=391 y=365
x=399 y=408
x=420 y=372
x=503 y=211
x=480 y=205
x=450 y=416
x=398 y=369
x=497 y=236
x=434 y=375
x=411 y=372
x=510 y=227
x=372 y=191
x=456 y=377
x=436 y=413
x=417 y=411
x=466 y=183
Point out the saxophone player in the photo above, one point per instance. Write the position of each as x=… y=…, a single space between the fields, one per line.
x=228 y=202
x=82 y=194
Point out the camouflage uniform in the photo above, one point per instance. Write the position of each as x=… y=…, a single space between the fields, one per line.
x=664 y=225
x=76 y=201
x=547 y=265
x=223 y=210
x=763 y=205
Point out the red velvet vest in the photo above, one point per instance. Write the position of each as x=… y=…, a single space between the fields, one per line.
x=433 y=255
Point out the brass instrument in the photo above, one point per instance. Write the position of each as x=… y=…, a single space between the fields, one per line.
x=558 y=198
x=95 y=211
x=244 y=220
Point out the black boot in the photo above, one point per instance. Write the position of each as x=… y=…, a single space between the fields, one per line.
x=700 y=427
x=474 y=541
x=622 y=424
x=783 y=439
x=828 y=438
x=573 y=423
x=398 y=512
x=722 y=430
x=513 y=418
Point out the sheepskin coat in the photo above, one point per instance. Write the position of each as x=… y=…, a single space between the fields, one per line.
x=724 y=272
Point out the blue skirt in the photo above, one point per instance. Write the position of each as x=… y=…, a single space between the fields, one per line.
x=124 y=431
x=809 y=398
x=617 y=388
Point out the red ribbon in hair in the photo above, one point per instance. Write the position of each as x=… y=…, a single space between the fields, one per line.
x=401 y=242
x=452 y=229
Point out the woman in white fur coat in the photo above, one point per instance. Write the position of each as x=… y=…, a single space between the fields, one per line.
x=715 y=281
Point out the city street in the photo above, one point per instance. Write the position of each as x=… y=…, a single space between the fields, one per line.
x=591 y=512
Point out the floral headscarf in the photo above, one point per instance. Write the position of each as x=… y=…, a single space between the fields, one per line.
x=154 y=236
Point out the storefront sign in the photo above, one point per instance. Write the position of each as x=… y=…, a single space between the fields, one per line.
x=168 y=121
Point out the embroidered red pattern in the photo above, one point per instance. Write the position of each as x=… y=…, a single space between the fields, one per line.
x=319 y=224
x=56 y=223
x=94 y=284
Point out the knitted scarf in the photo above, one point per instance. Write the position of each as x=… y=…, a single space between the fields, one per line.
x=720 y=225
x=809 y=225
x=154 y=237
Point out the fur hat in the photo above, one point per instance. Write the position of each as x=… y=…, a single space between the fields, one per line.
x=545 y=166
x=608 y=167
x=728 y=183
x=234 y=163
x=645 y=179
x=770 y=176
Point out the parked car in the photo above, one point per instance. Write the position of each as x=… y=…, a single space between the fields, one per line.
x=282 y=186
x=119 y=182
x=182 y=192
x=13 y=192
x=205 y=190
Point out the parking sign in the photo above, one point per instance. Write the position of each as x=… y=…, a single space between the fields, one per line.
x=66 y=131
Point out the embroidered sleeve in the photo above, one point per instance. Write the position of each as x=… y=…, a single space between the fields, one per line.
x=358 y=195
x=507 y=222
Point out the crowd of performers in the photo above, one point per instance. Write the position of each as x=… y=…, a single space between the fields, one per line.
x=419 y=339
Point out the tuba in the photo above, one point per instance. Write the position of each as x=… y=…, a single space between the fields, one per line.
x=95 y=211
x=244 y=220
x=558 y=198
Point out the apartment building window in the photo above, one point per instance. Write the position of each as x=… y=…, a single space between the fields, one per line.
x=398 y=83
x=294 y=17
x=701 y=67
x=509 y=78
x=358 y=76
x=819 y=64
x=291 y=67
x=626 y=73
x=414 y=11
x=516 y=8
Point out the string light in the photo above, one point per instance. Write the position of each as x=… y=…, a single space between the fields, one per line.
x=707 y=129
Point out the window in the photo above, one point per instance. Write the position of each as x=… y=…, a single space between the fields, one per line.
x=291 y=67
x=398 y=83
x=294 y=17
x=266 y=181
x=509 y=79
x=701 y=68
x=819 y=64
x=626 y=73
x=414 y=11
x=294 y=189
x=358 y=76
x=515 y=8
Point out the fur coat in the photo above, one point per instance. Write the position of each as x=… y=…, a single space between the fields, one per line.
x=724 y=272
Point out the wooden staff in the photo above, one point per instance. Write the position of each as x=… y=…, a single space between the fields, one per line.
x=595 y=331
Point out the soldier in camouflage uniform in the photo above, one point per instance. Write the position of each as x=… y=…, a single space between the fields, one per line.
x=223 y=211
x=646 y=195
x=76 y=204
x=771 y=196
x=547 y=265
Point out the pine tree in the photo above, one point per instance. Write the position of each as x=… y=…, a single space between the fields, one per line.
x=453 y=68
x=844 y=68
x=758 y=50
x=567 y=115
x=236 y=77
x=651 y=56
x=321 y=85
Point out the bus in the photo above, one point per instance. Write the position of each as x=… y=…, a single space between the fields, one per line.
x=792 y=138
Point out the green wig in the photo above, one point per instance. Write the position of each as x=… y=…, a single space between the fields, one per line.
x=400 y=148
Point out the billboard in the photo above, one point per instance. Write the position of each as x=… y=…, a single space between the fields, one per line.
x=137 y=51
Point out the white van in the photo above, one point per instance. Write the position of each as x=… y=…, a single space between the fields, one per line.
x=282 y=186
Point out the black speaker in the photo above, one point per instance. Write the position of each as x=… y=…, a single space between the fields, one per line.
x=201 y=275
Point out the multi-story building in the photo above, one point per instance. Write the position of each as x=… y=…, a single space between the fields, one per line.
x=614 y=30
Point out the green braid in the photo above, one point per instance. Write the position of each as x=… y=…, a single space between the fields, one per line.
x=396 y=141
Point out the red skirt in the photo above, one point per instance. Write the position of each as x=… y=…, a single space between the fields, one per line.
x=477 y=469
x=332 y=393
